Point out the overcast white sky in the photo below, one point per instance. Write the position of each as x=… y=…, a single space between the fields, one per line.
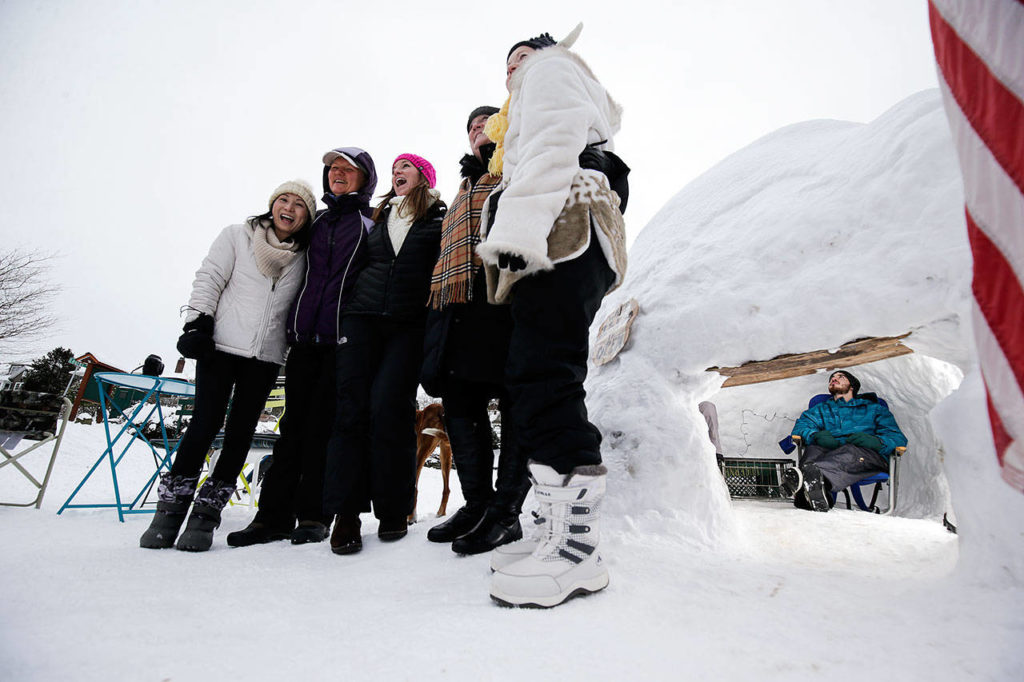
x=134 y=131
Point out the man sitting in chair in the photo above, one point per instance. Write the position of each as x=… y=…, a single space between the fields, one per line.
x=847 y=438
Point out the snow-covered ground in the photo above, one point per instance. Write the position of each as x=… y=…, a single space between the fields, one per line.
x=813 y=236
x=803 y=593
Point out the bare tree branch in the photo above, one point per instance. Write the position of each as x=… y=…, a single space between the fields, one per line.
x=25 y=295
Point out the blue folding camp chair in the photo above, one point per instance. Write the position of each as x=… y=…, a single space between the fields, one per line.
x=889 y=479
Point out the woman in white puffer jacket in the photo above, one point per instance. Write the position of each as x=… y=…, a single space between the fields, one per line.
x=235 y=329
x=555 y=245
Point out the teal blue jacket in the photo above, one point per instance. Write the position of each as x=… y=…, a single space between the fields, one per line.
x=842 y=418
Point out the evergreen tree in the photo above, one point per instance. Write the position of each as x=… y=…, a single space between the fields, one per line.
x=50 y=373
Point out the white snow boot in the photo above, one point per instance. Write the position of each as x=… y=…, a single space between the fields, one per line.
x=566 y=562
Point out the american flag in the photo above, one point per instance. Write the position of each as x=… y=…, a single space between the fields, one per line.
x=979 y=47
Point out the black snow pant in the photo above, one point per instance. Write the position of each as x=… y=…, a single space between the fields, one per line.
x=469 y=432
x=293 y=485
x=547 y=360
x=844 y=465
x=371 y=457
x=216 y=376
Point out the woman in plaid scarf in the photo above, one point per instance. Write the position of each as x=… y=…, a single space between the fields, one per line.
x=466 y=348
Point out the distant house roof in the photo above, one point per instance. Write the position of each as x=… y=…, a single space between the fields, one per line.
x=86 y=390
x=16 y=370
x=90 y=359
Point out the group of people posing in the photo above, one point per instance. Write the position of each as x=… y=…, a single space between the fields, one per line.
x=491 y=298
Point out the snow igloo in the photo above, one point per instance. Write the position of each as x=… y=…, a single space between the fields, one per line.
x=816 y=235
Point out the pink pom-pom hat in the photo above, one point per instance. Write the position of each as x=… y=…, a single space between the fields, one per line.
x=422 y=165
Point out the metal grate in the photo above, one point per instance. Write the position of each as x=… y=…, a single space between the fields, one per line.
x=754 y=477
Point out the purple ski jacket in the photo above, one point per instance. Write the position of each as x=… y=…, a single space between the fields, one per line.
x=336 y=254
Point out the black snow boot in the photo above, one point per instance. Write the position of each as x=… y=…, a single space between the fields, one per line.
x=474 y=458
x=513 y=481
x=498 y=527
x=205 y=516
x=474 y=462
x=392 y=528
x=174 y=495
x=460 y=523
x=309 y=531
x=500 y=524
x=792 y=481
x=258 y=533
x=816 y=488
x=345 y=538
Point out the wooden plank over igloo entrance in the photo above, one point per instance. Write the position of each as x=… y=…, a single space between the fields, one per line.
x=850 y=354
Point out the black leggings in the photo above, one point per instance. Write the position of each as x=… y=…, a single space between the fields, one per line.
x=547 y=360
x=216 y=376
x=371 y=457
x=294 y=483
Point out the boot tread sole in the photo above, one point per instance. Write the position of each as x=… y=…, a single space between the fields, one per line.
x=591 y=586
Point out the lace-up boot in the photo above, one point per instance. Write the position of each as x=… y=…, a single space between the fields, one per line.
x=566 y=562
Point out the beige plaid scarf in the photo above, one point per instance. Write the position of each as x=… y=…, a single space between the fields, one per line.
x=452 y=281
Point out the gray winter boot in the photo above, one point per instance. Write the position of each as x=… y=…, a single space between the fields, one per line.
x=205 y=516
x=174 y=495
x=566 y=562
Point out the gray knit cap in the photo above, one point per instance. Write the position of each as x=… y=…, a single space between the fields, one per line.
x=299 y=188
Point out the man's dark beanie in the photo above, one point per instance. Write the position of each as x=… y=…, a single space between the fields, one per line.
x=480 y=111
x=537 y=43
x=854 y=381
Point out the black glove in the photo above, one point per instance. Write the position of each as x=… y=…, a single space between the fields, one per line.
x=865 y=440
x=197 y=341
x=825 y=439
x=511 y=262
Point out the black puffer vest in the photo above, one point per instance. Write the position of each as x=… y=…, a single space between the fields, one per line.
x=399 y=285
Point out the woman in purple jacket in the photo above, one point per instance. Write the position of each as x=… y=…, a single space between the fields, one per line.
x=293 y=486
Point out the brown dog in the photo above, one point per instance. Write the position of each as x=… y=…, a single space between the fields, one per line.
x=430 y=434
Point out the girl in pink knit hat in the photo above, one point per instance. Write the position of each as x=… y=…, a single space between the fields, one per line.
x=371 y=459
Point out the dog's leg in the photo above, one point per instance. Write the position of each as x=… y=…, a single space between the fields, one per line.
x=424 y=446
x=446 y=469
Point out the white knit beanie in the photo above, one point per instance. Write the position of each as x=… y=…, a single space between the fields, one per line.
x=299 y=188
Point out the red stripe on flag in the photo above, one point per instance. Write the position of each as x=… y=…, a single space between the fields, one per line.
x=1000 y=297
x=995 y=113
x=999 y=435
x=1002 y=441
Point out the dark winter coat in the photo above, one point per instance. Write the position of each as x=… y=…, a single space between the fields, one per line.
x=337 y=253
x=466 y=341
x=398 y=285
x=842 y=418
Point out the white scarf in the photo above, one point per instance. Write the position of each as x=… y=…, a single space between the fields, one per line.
x=400 y=221
x=272 y=255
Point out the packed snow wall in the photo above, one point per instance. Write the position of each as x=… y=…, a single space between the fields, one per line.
x=815 y=235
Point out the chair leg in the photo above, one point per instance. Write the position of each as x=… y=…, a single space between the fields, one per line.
x=859 y=497
x=874 y=497
x=894 y=476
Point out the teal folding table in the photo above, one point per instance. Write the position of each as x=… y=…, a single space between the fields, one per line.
x=149 y=391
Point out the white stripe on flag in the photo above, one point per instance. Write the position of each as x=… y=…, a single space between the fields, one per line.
x=991 y=195
x=1003 y=388
x=991 y=28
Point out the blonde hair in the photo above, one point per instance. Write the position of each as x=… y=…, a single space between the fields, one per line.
x=497 y=126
